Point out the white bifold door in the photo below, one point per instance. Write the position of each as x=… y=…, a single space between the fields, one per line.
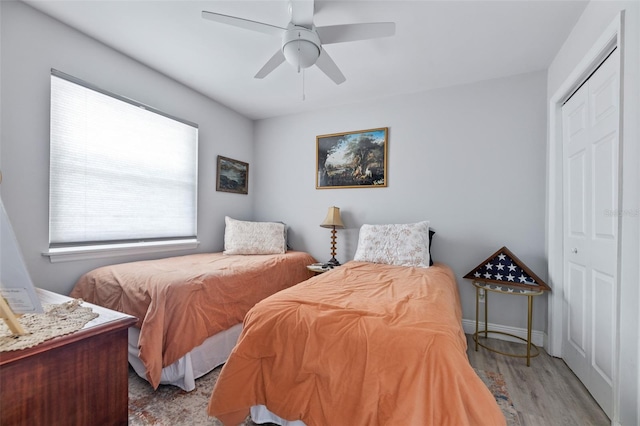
x=591 y=173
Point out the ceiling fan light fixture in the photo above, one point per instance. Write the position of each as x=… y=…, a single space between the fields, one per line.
x=301 y=47
x=301 y=54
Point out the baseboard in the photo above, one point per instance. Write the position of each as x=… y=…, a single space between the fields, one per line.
x=538 y=338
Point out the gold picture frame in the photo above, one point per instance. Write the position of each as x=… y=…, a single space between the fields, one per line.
x=232 y=176
x=355 y=159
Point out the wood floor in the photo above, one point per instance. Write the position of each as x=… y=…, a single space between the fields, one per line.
x=546 y=393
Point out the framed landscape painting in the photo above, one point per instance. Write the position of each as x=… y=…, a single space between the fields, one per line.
x=352 y=160
x=233 y=176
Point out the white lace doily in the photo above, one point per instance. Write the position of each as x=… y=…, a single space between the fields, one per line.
x=57 y=320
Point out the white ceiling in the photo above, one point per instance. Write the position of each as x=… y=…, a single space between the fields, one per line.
x=437 y=44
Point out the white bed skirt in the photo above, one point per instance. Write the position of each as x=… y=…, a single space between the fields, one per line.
x=201 y=360
x=260 y=414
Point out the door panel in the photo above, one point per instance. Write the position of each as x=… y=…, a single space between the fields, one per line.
x=604 y=96
x=576 y=119
x=576 y=305
x=576 y=348
x=590 y=223
x=604 y=187
x=603 y=323
x=577 y=195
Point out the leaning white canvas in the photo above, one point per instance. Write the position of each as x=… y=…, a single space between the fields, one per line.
x=16 y=285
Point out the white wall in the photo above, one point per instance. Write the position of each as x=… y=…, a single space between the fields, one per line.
x=471 y=159
x=593 y=22
x=33 y=43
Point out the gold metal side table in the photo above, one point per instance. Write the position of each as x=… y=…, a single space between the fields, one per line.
x=487 y=288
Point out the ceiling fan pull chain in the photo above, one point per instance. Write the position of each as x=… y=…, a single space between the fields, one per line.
x=304 y=97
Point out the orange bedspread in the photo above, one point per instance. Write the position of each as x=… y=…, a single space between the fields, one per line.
x=181 y=301
x=363 y=344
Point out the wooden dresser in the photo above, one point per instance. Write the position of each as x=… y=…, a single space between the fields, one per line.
x=77 y=379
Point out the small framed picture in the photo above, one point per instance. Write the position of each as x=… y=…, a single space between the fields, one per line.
x=233 y=176
x=352 y=159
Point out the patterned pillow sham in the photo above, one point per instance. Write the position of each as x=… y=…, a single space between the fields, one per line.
x=243 y=237
x=396 y=244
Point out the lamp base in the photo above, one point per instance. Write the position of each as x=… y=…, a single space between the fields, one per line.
x=333 y=262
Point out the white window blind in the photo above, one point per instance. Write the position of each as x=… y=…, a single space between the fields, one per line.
x=119 y=171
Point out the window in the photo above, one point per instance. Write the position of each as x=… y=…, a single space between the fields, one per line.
x=121 y=174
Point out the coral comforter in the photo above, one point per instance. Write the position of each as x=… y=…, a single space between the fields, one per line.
x=363 y=344
x=181 y=301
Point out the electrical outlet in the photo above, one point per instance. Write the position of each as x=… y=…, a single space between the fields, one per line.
x=481 y=295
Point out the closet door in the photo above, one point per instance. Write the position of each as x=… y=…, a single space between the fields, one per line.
x=591 y=174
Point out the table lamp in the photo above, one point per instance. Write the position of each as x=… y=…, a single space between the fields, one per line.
x=333 y=221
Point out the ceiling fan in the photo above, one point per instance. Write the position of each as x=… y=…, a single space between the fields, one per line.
x=302 y=42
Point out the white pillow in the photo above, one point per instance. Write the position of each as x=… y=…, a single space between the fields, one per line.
x=242 y=237
x=401 y=245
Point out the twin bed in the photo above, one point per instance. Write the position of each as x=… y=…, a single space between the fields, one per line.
x=190 y=308
x=187 y=301
x=376 y=341
x=363 y=344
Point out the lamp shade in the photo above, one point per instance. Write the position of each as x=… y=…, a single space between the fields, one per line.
x=333 y=219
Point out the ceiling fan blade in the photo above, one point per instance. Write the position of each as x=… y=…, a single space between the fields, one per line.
x=243 y=23
x=327 y=66
x=301 y=12
x=354 y=32
x=271 y=64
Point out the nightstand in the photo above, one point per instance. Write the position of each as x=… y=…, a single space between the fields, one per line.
x=504 y=273
x=318 y=268
x=530 y=294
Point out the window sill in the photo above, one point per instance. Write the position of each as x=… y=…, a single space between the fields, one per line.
x=68 y=254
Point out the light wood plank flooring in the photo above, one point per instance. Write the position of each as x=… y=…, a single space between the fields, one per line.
x=546 y=393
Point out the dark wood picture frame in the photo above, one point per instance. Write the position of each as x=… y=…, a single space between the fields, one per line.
x=355 y=159
x=232 y=176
